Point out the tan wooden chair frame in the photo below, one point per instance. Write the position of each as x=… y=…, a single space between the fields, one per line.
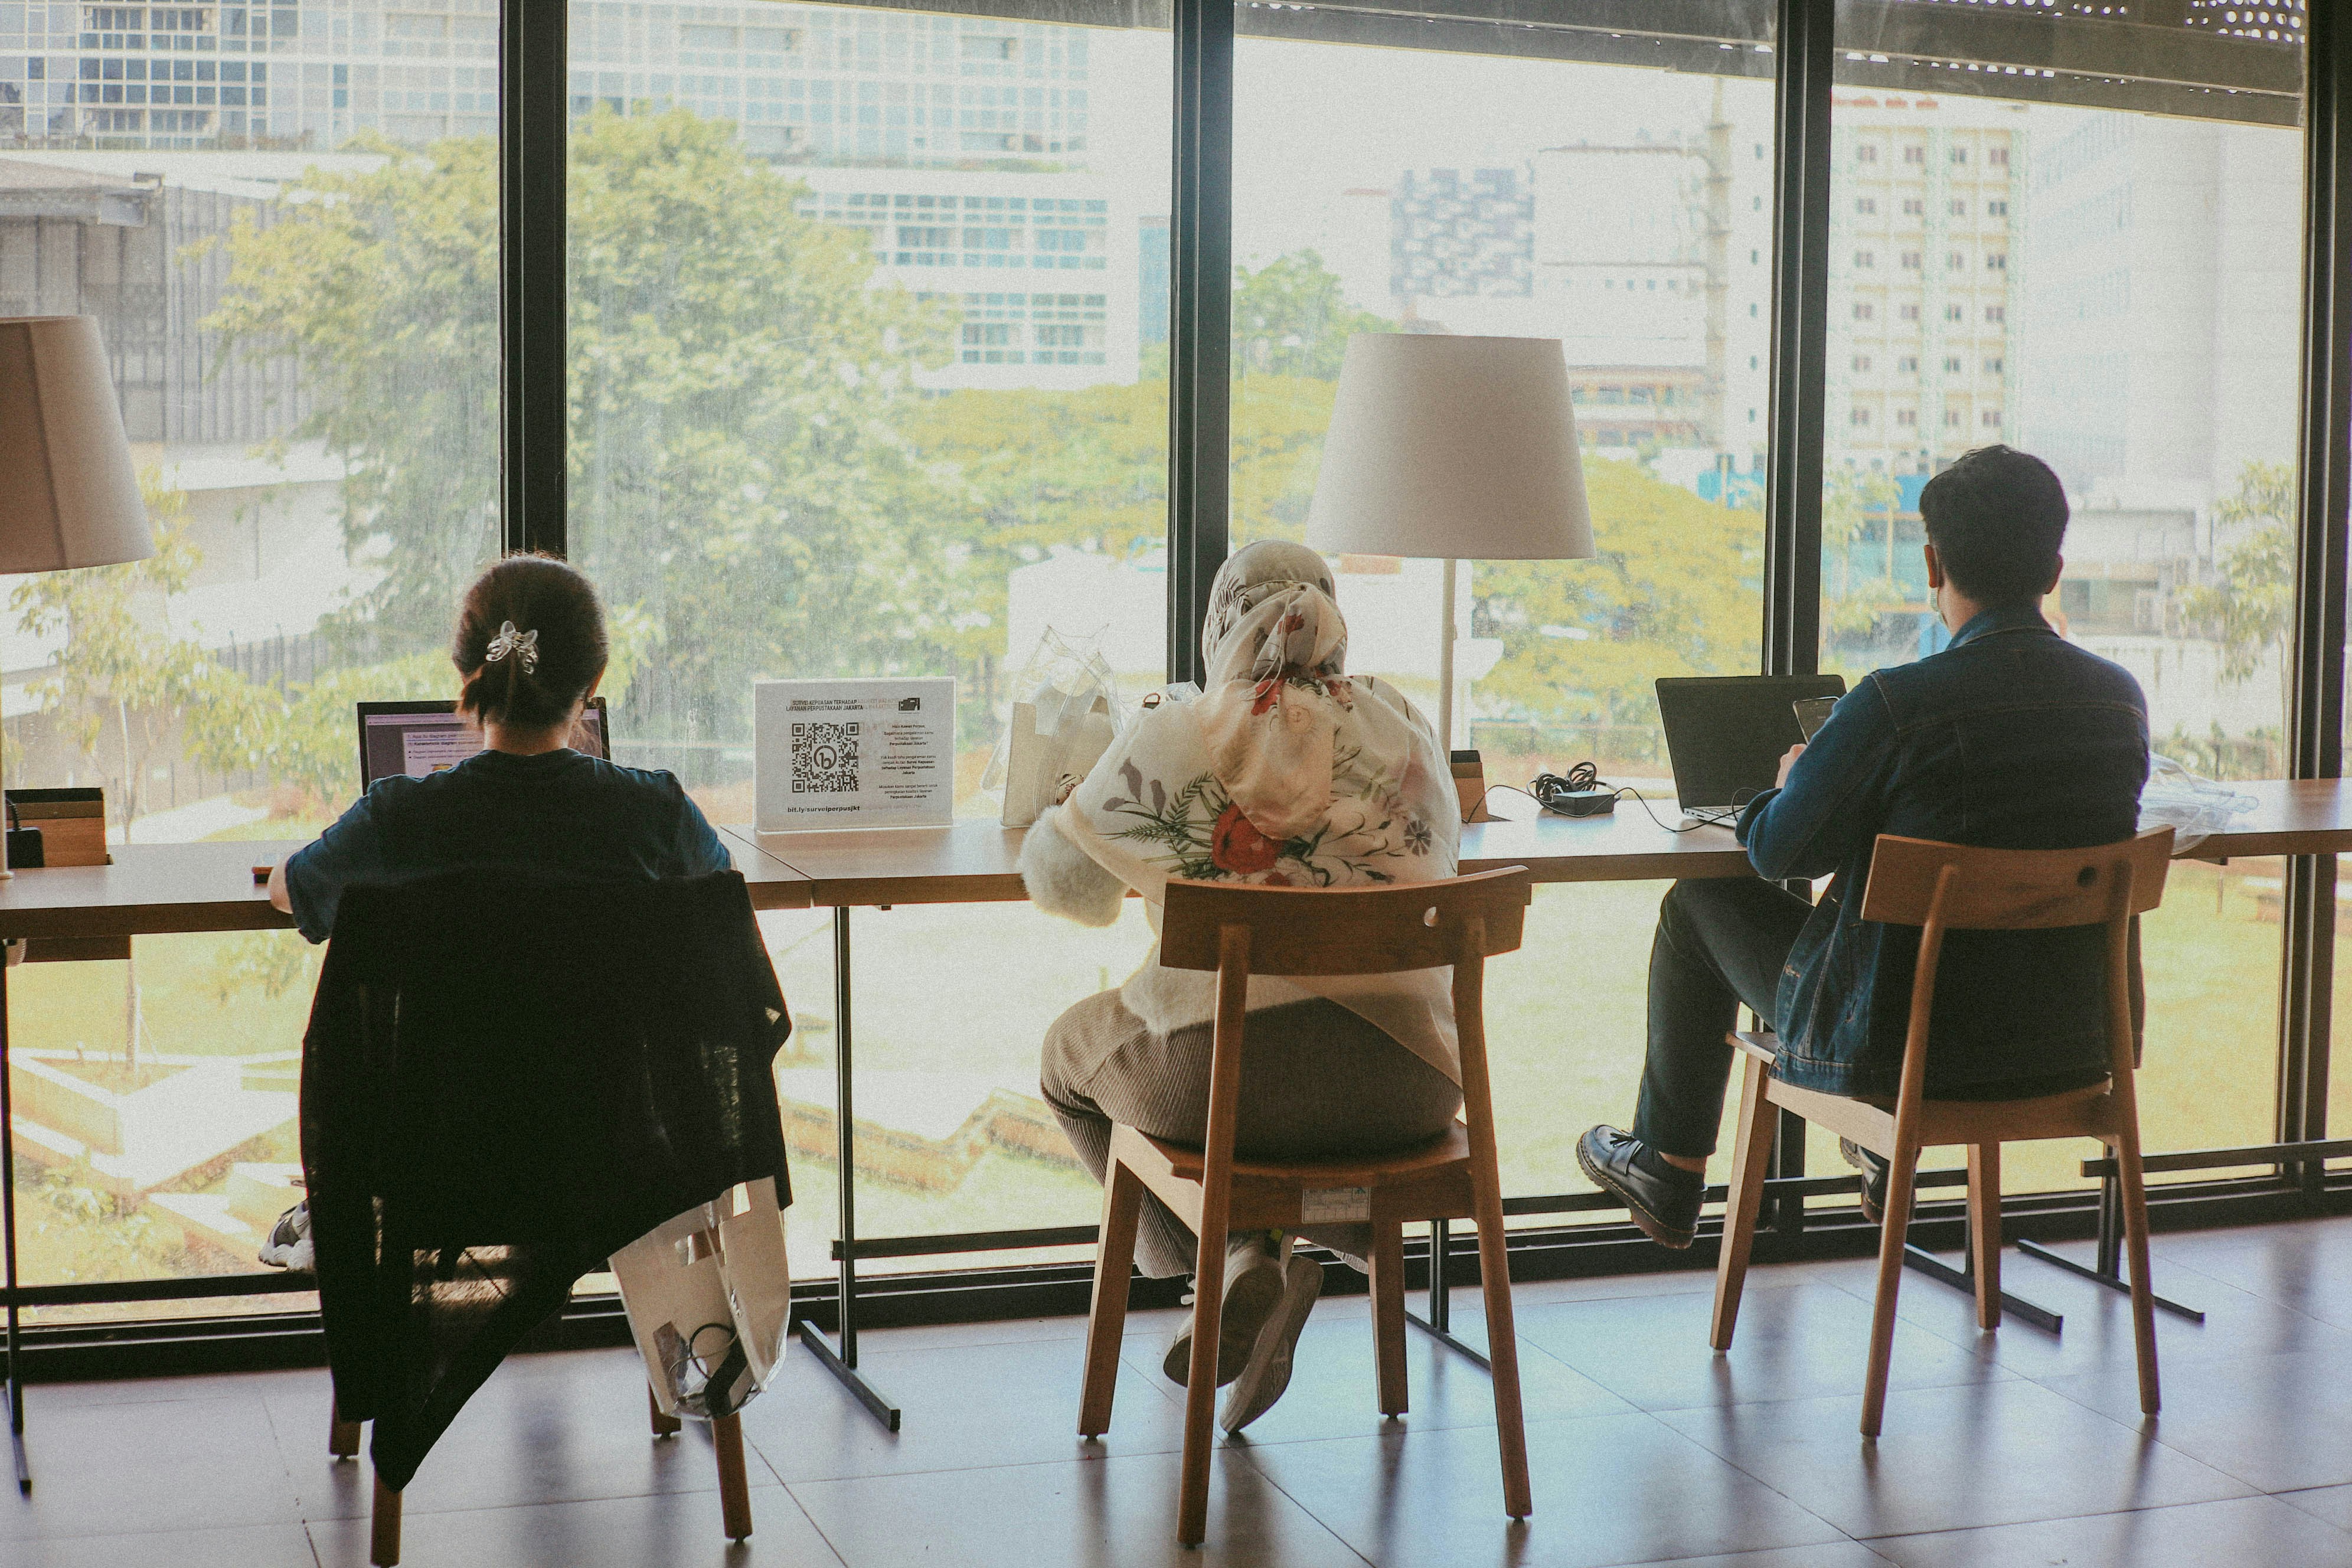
x=725 y=1436
x=1945 y=888
x=1241 y=930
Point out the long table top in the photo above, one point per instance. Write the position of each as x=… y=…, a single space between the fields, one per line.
x=154 y=889
x=976 y=861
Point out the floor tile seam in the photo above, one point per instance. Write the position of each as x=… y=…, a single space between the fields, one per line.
x=1265 y=1476
x=830 y=1546
x=2005 y=1375
x=968 y=1469
x=2289 y=1496
x=2102 y=1513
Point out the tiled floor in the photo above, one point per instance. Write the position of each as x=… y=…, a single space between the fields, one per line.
x=2009 y=1448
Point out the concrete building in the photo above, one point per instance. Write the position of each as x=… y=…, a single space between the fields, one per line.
x=1923 y=280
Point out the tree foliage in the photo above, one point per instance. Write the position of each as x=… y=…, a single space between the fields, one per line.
x=383 y=285
x=2250 y=604
x=1291 y=319
x=127 y=684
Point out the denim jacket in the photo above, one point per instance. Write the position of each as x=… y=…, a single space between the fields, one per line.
x=2010 y=738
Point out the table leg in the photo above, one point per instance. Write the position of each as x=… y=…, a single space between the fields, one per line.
x=2107 y=1267
x=1439 y=1324
x=8 y=1251
x=843 y=1362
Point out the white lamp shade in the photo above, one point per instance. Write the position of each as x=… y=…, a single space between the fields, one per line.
x=68 y=494
x=1453 y=446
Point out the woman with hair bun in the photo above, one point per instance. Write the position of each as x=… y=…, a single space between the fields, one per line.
x=530 y=651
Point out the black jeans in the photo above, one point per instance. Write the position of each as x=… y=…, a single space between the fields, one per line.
x=1721 y=944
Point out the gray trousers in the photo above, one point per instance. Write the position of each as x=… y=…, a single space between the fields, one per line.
x=1318 y=1082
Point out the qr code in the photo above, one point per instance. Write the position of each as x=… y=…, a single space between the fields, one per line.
x=824 y=759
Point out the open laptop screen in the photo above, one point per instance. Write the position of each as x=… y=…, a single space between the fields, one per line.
x=420 y=739
x=1725 y=735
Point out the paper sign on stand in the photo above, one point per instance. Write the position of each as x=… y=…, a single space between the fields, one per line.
x=855 y=753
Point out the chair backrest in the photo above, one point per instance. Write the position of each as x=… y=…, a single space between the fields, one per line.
x=2013 y=889
x=1345 y=931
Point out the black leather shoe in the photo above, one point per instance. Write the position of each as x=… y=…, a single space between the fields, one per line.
x=1664 y=1201
x=1874 y=1169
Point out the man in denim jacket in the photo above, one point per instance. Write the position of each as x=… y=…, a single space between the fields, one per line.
x=2010 y=738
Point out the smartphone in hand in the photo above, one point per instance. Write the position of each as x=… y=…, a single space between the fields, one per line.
x=1812 y=713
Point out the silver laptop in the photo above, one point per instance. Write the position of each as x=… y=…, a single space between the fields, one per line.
x=1725 y=735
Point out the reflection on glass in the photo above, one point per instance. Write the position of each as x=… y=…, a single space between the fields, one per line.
x=2114 y=292
x=868 y=338
x=290 y=243
x=1624 y=212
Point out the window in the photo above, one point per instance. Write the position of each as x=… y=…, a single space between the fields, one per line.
x=1865 y=153
x=1465 y=148
x=263 y=612
x=1864 y=260
x=1911 y=261
x=1913 y=206
x=1865 y=311
x=990 y=386
x=1907 y=419
x=1861 y=362
x=1859 y=418
x=1914 y=154
x=1866 y=205
x=2161 y=386
x=1910 y=312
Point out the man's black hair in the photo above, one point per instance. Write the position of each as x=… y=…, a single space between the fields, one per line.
x=1996 y=518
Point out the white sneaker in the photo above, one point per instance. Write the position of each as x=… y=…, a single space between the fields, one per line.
x=1268 y=1371
x=1254 y=1286
x=289 y=1246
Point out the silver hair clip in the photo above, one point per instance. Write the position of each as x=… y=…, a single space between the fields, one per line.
x=524 y=646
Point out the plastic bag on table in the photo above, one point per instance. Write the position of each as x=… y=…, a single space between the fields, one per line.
x=709 y=1295
x=2191 y=807
x=1065 y=714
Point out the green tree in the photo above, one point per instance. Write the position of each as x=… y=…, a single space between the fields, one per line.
x=1859 y=563
x=736 y=469
x=128 y=686
x=1290 y=319
x=382 y=286
x=2250 y=605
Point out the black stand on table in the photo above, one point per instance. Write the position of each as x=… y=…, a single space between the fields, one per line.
x=843 y=1362
x=1439 y=1324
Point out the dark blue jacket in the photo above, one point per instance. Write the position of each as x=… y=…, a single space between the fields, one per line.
x=2012 y=739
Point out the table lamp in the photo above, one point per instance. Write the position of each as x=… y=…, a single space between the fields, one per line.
x=1457 y=448
x=68 y=494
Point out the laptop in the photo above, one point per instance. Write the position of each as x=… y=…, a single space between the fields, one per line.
x=1725 y=735
x=421 y=739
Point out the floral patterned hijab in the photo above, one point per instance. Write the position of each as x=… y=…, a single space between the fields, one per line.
x=1284 y=769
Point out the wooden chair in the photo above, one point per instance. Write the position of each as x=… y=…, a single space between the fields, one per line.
x=725 y=1436
x=1241 y=930
x=1945 y=888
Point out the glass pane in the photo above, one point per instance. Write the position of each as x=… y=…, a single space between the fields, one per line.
x=290 y=243
x=2107 y=278
x=869 y=376
x=1433 y=177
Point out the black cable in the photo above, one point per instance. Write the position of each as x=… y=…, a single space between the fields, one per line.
x=1545 y=789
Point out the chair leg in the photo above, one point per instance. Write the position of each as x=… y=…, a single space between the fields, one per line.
x=1201 y=1382
x=1750 y=1155
x=383 y=1527
x=1106 y=1321
x=342 y=1437
x=1984 y=1230
x=664 y=1425
x=1905 y=1166
x=734 y=1491
x=1388 y=1313
x=2143 y=1290
x=1502 y=1341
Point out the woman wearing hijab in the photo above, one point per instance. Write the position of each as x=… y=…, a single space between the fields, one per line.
x=1284 y=772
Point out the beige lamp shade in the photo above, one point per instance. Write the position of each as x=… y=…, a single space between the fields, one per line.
x=1453 y=446
x=68 y=495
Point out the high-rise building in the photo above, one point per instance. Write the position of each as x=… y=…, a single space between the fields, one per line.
x=1923 y=281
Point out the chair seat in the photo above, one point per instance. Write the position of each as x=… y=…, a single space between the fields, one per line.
x=1430 y=1182
x=2085 y=1113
